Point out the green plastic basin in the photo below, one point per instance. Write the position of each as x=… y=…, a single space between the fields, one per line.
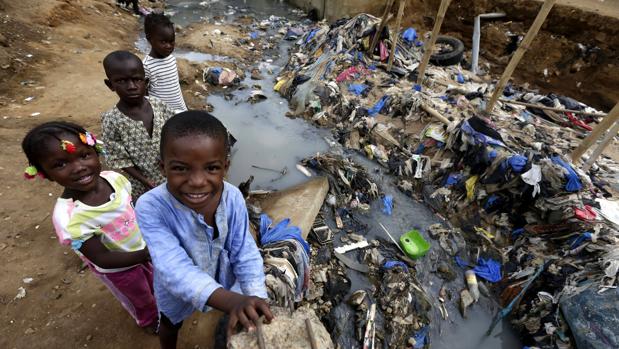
x=413 y=244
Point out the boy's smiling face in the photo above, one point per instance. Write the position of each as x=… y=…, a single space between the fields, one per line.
x=195 y=167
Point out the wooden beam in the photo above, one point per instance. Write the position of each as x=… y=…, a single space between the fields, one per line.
x=421 y=70
x=603 y=126
x=396 y=34
x=605 y=143
x=524 y=46
x=541 y=106
x=436 y=114
x=383 y=22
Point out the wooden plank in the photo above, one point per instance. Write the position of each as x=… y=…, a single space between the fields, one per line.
x=383 y=22
x=605 y=124
x=396 y=34
x=605 y=143
x=524 y=46
x=421 y=71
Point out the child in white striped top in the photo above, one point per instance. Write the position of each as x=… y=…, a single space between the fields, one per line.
x=159 y=64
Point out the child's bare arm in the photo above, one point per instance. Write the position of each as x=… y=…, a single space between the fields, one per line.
x=241 y=309
x=137 y=174
x=97 y=253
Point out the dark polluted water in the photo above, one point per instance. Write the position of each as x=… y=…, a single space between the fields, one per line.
x=276 y=143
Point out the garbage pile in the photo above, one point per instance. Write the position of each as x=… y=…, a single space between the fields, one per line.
x=503 y=177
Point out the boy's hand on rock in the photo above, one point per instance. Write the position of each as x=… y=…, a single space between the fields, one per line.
x=247 y=310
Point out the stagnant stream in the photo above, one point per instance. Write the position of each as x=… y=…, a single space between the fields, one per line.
x=269 y=139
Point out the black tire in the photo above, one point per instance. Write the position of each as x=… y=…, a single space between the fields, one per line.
x=451 y=57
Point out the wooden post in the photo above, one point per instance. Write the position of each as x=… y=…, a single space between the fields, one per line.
x=598 y=151
x=524 y=46
x=396 y=34
x=605 y=124
x=421 y=70
x=382 y=24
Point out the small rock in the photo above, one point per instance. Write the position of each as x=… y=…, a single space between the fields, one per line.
x=89 y=337
x=255 y=74
x=29 y=330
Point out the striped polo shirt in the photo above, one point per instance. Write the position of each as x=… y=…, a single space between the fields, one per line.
x=164 y=83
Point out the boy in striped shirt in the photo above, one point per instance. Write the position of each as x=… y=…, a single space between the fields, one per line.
x=160 y=65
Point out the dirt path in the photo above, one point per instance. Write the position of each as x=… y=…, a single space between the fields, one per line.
x=63 y=307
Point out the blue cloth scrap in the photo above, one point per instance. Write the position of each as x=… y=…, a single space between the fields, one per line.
x=578 y=240
x=254 y=35
x=392 y=264
x=479 y=137
x=357 y=89
x=460 y=78
x=419 y=43
x=421 y=337
x=409 y=35
x=491 y=155
x=388 y=205
x=453 y=179
x=378 y=106
x=573 y=181
x=417 y=87
x=311 y=35
x=281 y=231
x=517 y=232
x=372 y=67
x=492 y=201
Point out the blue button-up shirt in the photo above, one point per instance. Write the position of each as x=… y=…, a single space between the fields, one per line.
x=189 y=264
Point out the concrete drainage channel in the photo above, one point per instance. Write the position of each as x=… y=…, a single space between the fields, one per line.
x=271 y=144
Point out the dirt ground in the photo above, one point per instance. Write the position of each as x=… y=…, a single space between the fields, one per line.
x=52 y=50
x=50 y=69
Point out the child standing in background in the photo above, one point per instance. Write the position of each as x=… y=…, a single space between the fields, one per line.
x=160 y=65
x=94 y=215
x=132 y=129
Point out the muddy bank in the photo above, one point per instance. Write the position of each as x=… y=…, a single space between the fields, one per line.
x=574 y=54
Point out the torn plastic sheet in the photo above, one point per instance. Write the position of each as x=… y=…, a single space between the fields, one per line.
x=533 y=177
x=609 y=210
x=478 y=136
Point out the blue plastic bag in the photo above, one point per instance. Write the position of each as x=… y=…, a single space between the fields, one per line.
x=460 y=78
x=409 y=35
x=573 y=181
x=281 y=231
x=254 y=35
x=357 y=88
x=517 y=163
x=488 y=269
x=388 y=205
x=421 y=337
x=392 y=264
x=378 y=106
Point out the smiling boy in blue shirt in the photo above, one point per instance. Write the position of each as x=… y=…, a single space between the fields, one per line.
x=197 y=230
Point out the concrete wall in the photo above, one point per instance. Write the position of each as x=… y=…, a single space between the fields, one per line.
x=336 y=9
